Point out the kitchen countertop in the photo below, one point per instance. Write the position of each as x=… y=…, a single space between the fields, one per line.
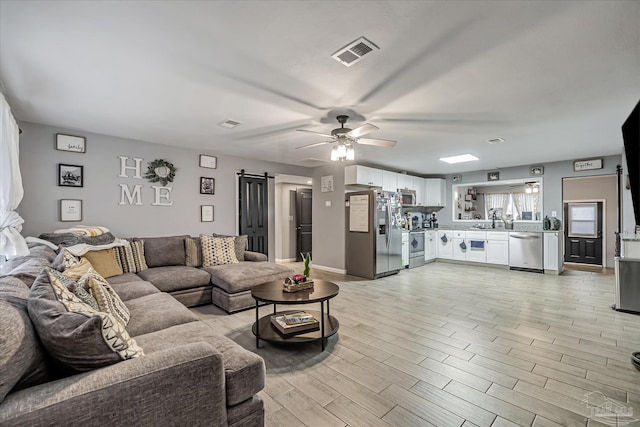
x=629 y=236
x=516 y=227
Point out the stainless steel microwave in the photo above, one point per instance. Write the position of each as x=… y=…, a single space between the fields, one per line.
x=407 y=197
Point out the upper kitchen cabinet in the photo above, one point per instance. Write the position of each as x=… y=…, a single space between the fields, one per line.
x=405 y=181
x=362 y=175
x=418 y=184
x=389 y=181
x=434 y=192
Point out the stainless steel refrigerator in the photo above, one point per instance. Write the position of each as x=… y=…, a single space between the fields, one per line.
x=373 y=234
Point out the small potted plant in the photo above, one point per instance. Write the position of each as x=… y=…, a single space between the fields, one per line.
x=307 y=260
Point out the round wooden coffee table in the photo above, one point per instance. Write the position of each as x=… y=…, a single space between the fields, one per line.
x=272 y=293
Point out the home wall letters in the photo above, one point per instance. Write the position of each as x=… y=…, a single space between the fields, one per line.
x=133 y=195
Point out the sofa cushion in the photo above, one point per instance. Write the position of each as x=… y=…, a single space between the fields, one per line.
x=217 y=250
x=29 y=270
x=74 y=333
x=107 y=299
x=23 y=361
x=155 y=312
x=175 y=278
x=104 y=262
x=133 y=289
x=124 y=278
x=244 y=370
x=163 y=251
x=193 y=252
x=245 y=275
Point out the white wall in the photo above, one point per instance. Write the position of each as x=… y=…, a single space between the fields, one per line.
x=101 y=192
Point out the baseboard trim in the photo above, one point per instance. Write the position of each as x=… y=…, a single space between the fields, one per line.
x=330 y=269
x=286 y=260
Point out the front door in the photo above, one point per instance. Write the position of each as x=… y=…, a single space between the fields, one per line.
x=254 y=209
x=303 y=222
x=583 y=239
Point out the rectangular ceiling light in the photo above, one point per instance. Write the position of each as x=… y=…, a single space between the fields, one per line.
x=459 y=159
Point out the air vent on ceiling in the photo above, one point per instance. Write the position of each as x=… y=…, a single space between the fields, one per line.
x=229 y=124
x=354 y=51
x=495 y=141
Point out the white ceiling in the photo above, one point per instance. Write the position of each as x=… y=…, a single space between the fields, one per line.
x=556 y=80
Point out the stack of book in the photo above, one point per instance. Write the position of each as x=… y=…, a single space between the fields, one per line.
x=295 y=323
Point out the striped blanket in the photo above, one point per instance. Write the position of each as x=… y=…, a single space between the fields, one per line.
x=84 y=230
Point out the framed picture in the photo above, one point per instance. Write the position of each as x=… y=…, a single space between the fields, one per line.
x=206 y=213
x=585 y=165
x=70 y=175
x=208 y=161
x=537 y=170
x=493 y=176
x=70 y=210
x=72 y=143
x=207 y=185
x=456 y=178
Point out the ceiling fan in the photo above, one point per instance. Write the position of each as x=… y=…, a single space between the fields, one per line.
x=345 y=136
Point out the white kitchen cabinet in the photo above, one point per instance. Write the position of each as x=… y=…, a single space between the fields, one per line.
x=460 y=247
x=430 y=246
x=389 y=181
x=417 y=184
x=405 y=249
x=405 y=181
x=497 y=247
x=476 y=246
x=362 y=175
x=444 y=244
x=552 y=251
x=435 y=194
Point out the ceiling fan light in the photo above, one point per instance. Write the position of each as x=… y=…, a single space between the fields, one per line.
x=342 y=151
x=351 y=153
x=334 y=154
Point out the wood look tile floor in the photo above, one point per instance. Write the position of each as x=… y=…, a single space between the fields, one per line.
x=455 y=345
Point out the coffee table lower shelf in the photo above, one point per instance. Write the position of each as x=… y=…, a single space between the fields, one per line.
x=269 y=333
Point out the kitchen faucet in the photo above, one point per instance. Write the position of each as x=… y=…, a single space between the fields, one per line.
x=493 y=219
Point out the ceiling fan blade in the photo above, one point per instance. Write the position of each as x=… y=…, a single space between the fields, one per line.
x=377 y=142
x=314 y=145
x=362 y=130
x=317 y=133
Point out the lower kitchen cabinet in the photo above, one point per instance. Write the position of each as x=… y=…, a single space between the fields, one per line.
x=444 y=243
x=476 y=246
x=552 y=251
x=430 y=246
x=460 y=247
x=497 y=247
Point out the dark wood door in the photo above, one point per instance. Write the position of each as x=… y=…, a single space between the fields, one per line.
x=254 y=209
x=583 y=233
x=303 y=222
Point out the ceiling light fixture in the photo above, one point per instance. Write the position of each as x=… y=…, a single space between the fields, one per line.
x=343 y=152
x=459 y=159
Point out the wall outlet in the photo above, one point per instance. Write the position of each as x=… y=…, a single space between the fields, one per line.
x=290 y=217
x=327 y=203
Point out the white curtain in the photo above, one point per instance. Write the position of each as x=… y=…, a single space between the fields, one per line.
x=526 y=202
x=496 y=202
x=12 y=243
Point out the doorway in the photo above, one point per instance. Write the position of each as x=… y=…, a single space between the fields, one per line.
x=254 y=212
x=304 y=198
x=583 y=234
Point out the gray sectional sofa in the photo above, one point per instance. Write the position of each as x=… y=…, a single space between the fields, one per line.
x=188 y=375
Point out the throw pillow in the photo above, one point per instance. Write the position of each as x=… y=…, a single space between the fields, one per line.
x=130 y=257
x=76 y=271
x=77 y=290
x=241 y=244
x=104 y=262
x=107 y=299
x=217 y=250
x=74 y=333
x=193 y=252
x=69 y=259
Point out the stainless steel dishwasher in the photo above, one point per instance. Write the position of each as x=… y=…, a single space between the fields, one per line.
x=525 y=251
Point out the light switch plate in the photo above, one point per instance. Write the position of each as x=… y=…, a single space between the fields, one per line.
x=327 y=203
x=554 y=213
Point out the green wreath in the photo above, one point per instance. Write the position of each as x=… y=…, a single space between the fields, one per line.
x=160 y=171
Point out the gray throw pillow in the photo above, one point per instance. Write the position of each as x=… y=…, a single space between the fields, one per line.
x=73 y=333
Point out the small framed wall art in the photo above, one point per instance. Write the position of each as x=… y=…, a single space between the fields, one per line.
x=206 y=213
x=208 y=161
x=70 y=210
x=207 y=185
x=537 y=170
x=493 y=176
x=72 y=143
x=70 y=175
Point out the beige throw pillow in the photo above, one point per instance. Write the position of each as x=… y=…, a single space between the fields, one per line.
x=193 y=252
x=217 y=250
x=107 y=299
x=104 y=262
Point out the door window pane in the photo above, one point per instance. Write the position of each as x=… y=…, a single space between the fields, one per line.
x=583 y=220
